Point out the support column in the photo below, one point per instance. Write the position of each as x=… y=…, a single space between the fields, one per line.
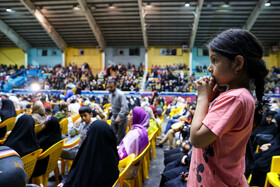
x=190 y=62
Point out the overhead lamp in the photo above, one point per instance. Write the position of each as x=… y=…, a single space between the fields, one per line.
x=187 y=4
x=267 y=4
x=226 y=5
x=111 y=6
x=9 y=10
x=75 y=7
x=148 y=5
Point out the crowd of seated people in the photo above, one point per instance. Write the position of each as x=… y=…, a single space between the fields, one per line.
x=161 y=78
x=126 y=76
x=272 y=82
x=145 y=114
x=47 y=110
x=169 y=80
x=171 y=67
x=82 y=77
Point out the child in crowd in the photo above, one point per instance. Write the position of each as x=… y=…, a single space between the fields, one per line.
x=79 y=131
x=88 y=117
x=223 y=122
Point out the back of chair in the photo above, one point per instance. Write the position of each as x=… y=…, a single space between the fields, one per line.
x=54 y=153
x=37 y=128
x=64 y=126
x=19 y=111
x=72 y=144
x=124 y=165
x=138 y=162
x=275 y=164
x=75 y=118
x=29 y=162
x=107 y=105
x=10 y=123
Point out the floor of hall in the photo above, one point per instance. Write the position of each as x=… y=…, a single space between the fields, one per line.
x=155 y=169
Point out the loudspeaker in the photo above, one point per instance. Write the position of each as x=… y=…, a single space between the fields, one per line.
x=185 y=47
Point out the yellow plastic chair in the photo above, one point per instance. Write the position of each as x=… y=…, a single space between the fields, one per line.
x=272 y=176
x=68 y=162
x=172 y=112
x=146 y=164
x=123 y=167
x=29 y=113
x=53 y=153
x=19 y=111
x=10 y=123
x=2 y=141
x=152 y=138
x=138 y=162
x=250 y=176
x=37 y=128
x=29 y=162
x=128 y=127
x=74 y=90
x=75 y=118
x=64 y=126
x=107 y=105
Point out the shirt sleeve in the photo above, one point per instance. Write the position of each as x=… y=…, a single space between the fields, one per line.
x=223 y=115
x=124 y=108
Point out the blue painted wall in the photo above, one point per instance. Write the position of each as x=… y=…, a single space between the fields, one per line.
x=112 y=57
x=199 y=60
x=35 y=58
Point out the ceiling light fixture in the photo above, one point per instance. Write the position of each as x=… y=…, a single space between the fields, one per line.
x=187 y=4
x=111 y=6
x=9 y=10
x=267 y=4
x=148 y=5
x=75 y=7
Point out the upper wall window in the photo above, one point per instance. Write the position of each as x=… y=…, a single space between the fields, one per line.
x=266 y=52
x=134 y=52
x=54 y=53
x=44 y=52
x=202 y=52
x=81 y=52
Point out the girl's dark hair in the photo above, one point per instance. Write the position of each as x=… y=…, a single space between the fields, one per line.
x=233 y=42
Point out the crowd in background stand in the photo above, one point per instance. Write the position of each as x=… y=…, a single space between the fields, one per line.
x=126 y=77
x=170 y=79
x=161 y=78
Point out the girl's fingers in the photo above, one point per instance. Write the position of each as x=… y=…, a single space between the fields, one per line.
x=206 y=78
x=212 y=80
x=215 y=89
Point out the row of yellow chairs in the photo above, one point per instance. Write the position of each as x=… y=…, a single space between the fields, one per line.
x=30 y=160
x=272 y=177
x=64 y=124
x=10 y=123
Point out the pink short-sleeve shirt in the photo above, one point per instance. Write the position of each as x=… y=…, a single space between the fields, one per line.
x=230 y=116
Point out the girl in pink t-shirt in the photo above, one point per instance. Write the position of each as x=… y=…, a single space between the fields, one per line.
x=223 y=122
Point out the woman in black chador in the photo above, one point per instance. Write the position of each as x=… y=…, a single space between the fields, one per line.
x=96 y=163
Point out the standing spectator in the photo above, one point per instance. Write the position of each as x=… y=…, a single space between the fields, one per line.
x=119 y=110
x=68 y=94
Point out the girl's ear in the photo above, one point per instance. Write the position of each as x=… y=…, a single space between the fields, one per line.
x=239 y=63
